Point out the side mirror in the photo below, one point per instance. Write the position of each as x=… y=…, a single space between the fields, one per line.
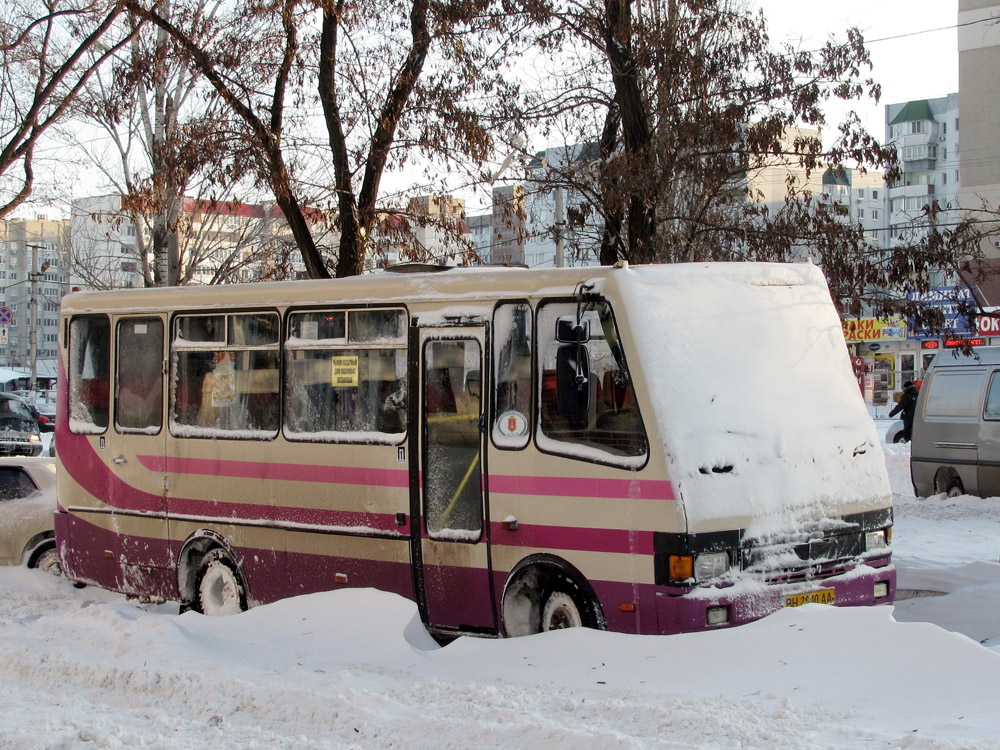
x=572 y=380
x=569 y=330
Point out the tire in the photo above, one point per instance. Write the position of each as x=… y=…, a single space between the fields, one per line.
x=560 y=612
x=48 y=562
x=219 y=591
x=899 y=438
x=948 y=483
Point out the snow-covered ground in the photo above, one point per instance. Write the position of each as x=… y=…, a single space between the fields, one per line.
x=83 y=668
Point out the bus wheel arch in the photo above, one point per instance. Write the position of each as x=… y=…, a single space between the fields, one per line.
x=948 y=482
x=206 y=554
x=544 y=592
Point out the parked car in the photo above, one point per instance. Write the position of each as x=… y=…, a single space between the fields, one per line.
x=45 y=415
x=19 y=434
x=895 y=432
x=27 y=502
x=956 y=426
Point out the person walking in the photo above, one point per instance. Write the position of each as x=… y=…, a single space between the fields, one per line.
x=907 y=405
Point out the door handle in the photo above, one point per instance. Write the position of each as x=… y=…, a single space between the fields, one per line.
x=120 y=460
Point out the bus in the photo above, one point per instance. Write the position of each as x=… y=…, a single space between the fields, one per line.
x=644 y=449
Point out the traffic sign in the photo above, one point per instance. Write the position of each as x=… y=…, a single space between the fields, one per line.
x=3 y=336
x=6 y=316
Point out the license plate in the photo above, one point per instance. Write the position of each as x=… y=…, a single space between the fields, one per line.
x=823 y=596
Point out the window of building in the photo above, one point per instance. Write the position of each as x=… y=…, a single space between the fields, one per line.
x=874 y=195
x=874 y=214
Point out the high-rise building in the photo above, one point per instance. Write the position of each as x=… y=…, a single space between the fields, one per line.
x=925 y=135
x=978 y=63
x=34 y=275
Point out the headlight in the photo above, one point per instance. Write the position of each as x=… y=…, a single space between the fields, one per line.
x=710 y=565
x=875 y=540
x=35 y=438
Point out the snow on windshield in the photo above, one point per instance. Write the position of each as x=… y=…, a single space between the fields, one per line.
x=758 y=409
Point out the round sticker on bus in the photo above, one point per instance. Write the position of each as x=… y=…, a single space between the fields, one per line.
x=512 y=424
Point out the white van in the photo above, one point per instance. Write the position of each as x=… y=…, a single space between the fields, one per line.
x=956 y=428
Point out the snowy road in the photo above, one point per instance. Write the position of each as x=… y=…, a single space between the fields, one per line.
x=82 y=668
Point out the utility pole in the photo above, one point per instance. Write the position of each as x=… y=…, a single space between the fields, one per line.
x=33 y=277
x=560 y=223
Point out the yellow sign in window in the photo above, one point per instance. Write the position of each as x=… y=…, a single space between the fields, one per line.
x=344 y=372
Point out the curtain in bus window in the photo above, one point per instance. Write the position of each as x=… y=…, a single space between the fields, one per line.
x=89 y=374
x=345 y=376
x=512 y=375
x=610 y=428
x=139 y=382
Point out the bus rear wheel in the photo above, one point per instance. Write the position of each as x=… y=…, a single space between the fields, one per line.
x=220 y=590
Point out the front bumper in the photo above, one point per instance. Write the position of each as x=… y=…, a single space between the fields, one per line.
x=688 y=609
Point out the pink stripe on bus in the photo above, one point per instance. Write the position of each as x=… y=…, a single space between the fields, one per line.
x=650 y=489
x=647 y=489
x=288 y=472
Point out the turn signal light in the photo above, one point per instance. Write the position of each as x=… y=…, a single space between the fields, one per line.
x=681 y=567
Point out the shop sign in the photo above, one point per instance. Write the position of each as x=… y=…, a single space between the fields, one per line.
x=947 y=298
x=874 y=329
x=955 y=343
x=989 y=325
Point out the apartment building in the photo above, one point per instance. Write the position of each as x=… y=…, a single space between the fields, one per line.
x=34 y=274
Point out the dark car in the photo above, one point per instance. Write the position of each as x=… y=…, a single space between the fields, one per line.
x=19 y=434
x=45 y=415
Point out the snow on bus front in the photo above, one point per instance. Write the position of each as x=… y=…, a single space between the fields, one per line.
x=758 y=412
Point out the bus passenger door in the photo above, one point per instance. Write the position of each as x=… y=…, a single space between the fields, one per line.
x=453 y=570
x=135 y=446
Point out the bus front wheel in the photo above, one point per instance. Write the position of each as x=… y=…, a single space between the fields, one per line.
x=560 y=612
x=220 y=590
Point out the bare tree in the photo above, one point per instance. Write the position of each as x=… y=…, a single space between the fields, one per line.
x=385 y=73
x=45 y=64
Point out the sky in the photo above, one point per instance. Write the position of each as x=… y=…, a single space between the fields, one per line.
x=84 y=668
x=913 y=43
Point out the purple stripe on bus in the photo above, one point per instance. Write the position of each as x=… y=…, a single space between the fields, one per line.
x=286 y=472
x=648 y=489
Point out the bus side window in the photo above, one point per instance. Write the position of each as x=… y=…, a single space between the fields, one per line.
x=345 y=375
x=225 y=375
x=512 y=375
x=89 y=374
x=605 y=419
x=139 y=404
